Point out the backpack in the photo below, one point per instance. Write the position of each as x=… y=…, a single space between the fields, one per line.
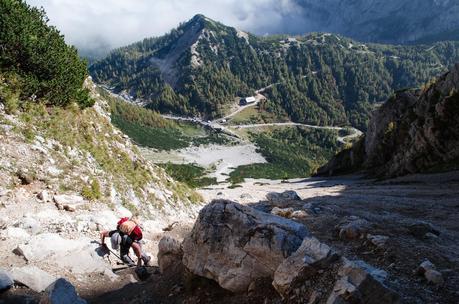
x=126 y=226
x=130 y=228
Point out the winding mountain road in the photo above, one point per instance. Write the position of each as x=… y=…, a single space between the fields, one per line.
x=355 y=132
x=219 y=124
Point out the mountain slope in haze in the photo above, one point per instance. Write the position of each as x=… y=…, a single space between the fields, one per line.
x=200 y=67
x=414 y=131
x=389 y=21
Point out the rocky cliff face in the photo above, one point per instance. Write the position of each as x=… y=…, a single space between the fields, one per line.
x=390 y=21
x=415 y=131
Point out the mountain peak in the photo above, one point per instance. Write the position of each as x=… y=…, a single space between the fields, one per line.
x=205 y=22
x=200 y=18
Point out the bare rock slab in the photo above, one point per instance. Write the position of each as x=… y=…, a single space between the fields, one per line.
x=32 y=277
x=78 y=256
x=235 y=244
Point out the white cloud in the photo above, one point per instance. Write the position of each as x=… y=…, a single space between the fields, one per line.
x=90 y=24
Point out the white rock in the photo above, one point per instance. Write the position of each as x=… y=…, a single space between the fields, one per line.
x=78 y=256
x=66 y=199
x=40 y=139
x=68 y=202
x=44 y=196
x=16 y=234
x=123 y=211
x=32 y=277
x=53 y=171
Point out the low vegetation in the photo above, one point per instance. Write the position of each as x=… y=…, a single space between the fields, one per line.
x=290 y=152
x=190 y=174
x=257 y=115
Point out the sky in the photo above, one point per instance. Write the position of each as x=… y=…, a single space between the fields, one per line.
x=97 y=24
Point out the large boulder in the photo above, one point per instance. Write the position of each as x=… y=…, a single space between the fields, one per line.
x=311 y=257
x=235 y=245
x=6 y=281
x=359 y=282
x=169 y=253
x=61 y=292
x=32 y=277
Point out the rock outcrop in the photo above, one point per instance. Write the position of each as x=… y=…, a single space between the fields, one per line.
x=414 y=131
x=61 y=292
x=238 y=247
x=360 y=283
x=170 y=253
x=78 y=256
x=311 y=257
x=6 y=281
x=280 y=200
x=235 y=245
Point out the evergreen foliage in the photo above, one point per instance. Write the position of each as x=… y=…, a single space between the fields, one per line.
x=290 y=153
x=35 y=55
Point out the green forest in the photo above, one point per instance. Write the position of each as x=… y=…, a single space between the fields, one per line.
x=35 y=62
x=319 y=79
x=148 y=129
x=290 y=153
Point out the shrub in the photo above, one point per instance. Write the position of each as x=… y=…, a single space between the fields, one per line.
x=46 y=68
x=92 y=192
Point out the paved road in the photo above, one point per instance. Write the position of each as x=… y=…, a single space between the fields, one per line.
x=342 y=139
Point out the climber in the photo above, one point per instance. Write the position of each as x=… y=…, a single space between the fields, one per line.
x=127 y=234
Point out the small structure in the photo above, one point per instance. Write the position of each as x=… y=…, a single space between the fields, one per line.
x=246 y=101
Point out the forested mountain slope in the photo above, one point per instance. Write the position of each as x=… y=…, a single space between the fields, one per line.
x=200 y=67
